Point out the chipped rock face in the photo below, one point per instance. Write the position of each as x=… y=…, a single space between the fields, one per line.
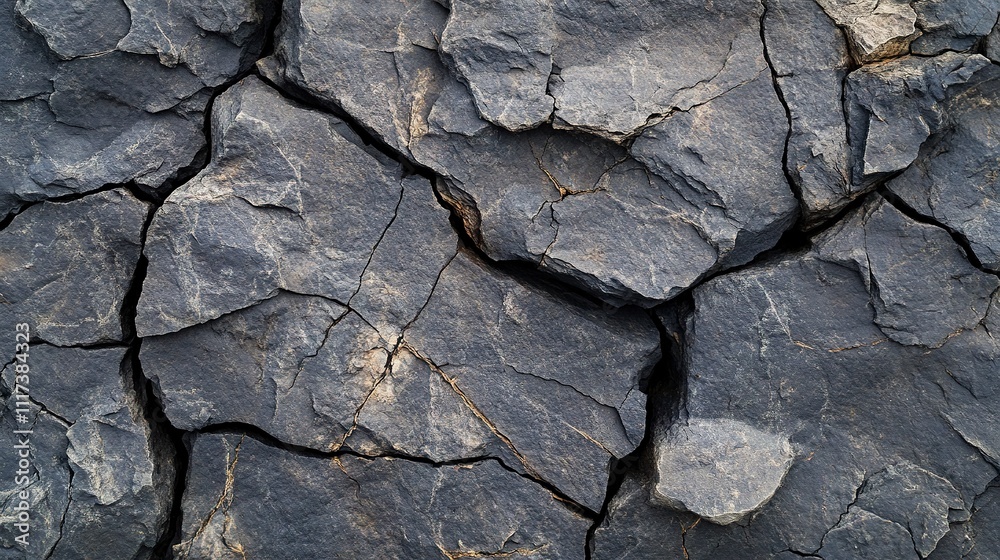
x=473 y=509
x=339 y=348
x=96 y=95
x=533 y=197
x=876 y=29
x=66 y=267
x=428 y=279
x=718 y=469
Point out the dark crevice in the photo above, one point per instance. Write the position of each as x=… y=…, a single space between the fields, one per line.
x=262 y=436
x=912 y=213
x=666 y=389
x=167 y=441
x=792 y=184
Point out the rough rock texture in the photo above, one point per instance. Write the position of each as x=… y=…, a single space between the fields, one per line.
x=84 y=103
x=719 y=469
x=496 y=367
x=379 y=507
x=66 y=267
x=705 y=186
x=481 y=278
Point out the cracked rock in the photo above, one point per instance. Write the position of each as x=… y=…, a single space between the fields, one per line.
x=877 y=29
x=893 y=107
x=103 y=474
x=65 y=267
x=954 y=180
x=533 y=196
x=83 y=111
x=378 y=507
x=853 y=401
x=719 y=469
x=326 y=341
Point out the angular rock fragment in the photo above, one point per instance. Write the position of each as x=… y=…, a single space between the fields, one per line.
x=281 y=178
x=216 y=40
x=503 y=51
x=65 y=267
x=280 y=281
x=810 y=59
x=102 y=473
x=952 y=25
x=895 y=256
x=893 y=107
x=364 y=507
x=905 y=433
x=954 y=181
x=377 y=61
x=616 y=73
x=877 y=29
x=89 y=112
x=718 y=469
x=296 y=366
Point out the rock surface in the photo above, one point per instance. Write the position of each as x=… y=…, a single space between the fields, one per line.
x=87 y=106
x=481 y=278
x=391 y=507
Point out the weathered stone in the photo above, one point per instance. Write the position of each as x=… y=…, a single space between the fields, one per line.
x=503 y=51
x=289 y=179
x=877 y=29
x=81 y=28
x=379 y=507
x=811 y=60
x=952 y=25
x=96 y=115
x=377 y=61
x=559 y=383
x=893 y=107
x=216 y=40
x=895 y=256
x=954 y=181
x=866 y=536
x=719 y=469
x=65 y=267
x=856 y=405
x=914 y=498
x=102 y=474
x=616 y=73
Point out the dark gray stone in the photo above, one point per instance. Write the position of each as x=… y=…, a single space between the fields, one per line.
x=624 y=64
x=905 y=433
x=810 y=58
x=78 y=29
x=65 y=267
x=215 y=39
x=103 y=477
x=377 y=61
x=286 y=203
x=503 y=51
x=360 y=507
x=893 y=107
x=89 y=112
x=864 y=536
x=954 y=180
x=559 y=383
x=895 y=256
x=953 y=25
